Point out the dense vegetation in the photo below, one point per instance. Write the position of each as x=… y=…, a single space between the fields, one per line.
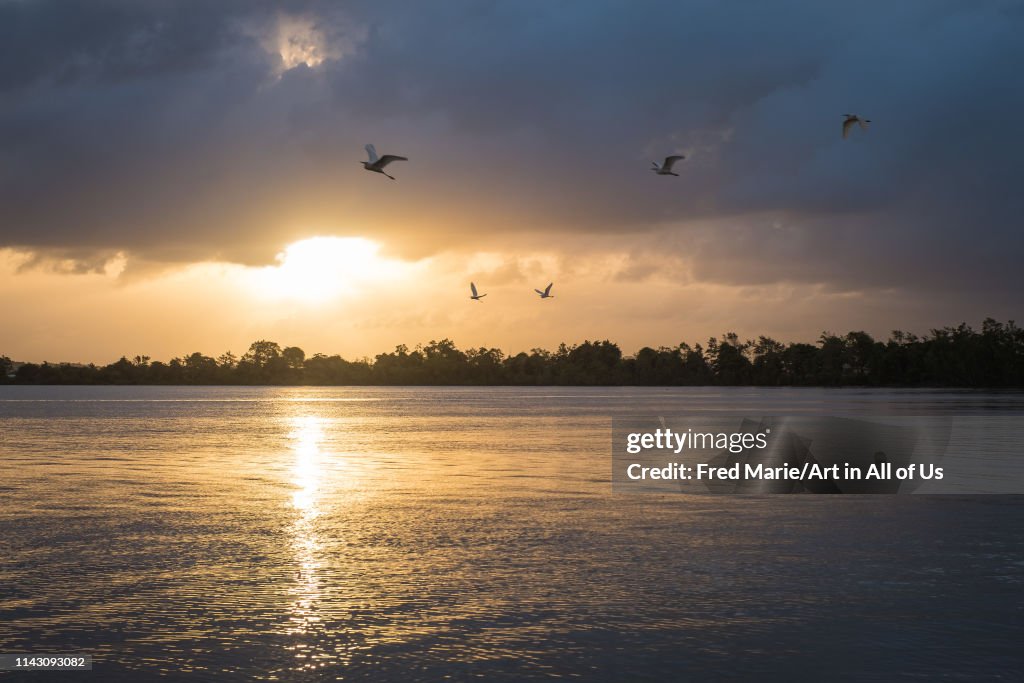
x=951 y=356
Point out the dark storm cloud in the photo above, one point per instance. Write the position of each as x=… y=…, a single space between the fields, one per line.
x=169 y=129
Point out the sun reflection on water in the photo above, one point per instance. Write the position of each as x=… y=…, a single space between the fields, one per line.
x=307 y=435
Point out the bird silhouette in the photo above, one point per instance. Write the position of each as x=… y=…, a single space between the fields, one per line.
x=850 y=121
x=666 y=166
x=546 y=294
x=377 y=164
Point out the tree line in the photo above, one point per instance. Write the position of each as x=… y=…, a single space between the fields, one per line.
x=948 y=357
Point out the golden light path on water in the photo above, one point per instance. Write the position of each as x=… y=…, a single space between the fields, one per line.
x=307 y=435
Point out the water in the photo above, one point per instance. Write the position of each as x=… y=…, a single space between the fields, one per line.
x=422 y=534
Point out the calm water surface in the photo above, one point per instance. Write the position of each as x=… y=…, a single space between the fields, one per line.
x=422 y=534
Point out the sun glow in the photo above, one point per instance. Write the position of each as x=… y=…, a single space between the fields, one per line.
x=306 y=40
x=323 y=268
x=299 y=42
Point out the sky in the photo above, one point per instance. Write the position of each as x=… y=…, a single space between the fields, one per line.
x=185 y=176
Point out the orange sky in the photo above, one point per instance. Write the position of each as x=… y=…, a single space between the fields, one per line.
x=324 y=301
x=163 y=172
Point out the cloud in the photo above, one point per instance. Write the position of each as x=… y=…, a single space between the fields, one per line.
x=200 y=131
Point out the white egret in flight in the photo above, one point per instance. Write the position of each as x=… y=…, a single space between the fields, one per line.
x=546 y=294
x=666 y=167
x=849 y=122
x=377 y=164
x=475 y=296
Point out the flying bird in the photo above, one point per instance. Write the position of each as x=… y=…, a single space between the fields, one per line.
x=378 y=164
x=849 y=122
x=546 y=294
x=666 y=167
x=475 y=296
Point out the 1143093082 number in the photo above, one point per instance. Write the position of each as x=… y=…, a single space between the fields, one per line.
x=46 y=662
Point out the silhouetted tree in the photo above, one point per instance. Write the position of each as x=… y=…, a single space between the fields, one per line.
x=443 y=363
x=294 y=357
x=800 y=364
x=950 y=356
x=591 y=363
x=769 y=361
x=830 y=359
x=399 y=367
x=658 y=367
x=696 y=371
x=729 y=359
x=261 y=353
x=485 y=366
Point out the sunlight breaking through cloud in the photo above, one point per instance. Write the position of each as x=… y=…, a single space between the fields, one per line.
x=302 y=41
x=323 y=268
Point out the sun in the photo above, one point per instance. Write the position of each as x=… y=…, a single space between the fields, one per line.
x=324 y=268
